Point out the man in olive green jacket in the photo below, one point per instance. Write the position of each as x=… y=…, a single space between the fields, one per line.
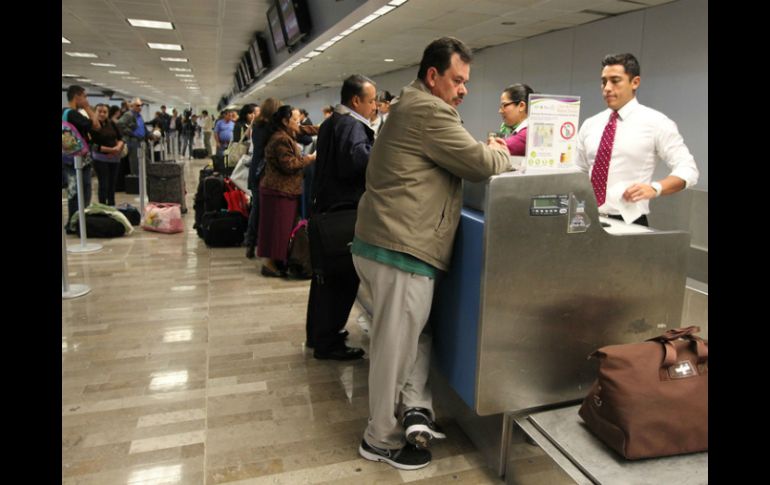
x=404 y=235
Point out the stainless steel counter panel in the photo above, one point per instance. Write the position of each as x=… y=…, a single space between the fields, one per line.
x=549 y=298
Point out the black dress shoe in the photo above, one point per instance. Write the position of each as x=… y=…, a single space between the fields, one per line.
x=270 y=273
x=250 y=250
x=344 y=353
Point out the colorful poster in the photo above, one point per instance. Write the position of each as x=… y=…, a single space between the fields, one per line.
x=552 y=132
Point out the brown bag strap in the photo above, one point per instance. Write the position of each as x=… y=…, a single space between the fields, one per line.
x=701 y=349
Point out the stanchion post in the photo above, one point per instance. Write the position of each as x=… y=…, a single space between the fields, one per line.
x=85 y=246
x=141 y=178
x=69 y=291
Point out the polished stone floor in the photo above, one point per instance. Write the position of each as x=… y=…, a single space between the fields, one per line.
x=184 y=366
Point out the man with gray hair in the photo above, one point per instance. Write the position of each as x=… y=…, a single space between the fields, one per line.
x=404 y=234
x=132 y=128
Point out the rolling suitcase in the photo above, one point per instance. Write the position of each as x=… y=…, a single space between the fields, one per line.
x=199 y=153
x=165 y=183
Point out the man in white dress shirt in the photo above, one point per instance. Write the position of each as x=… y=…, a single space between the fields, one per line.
x=641 y=137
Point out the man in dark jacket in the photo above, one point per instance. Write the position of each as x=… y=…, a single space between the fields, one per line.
x=343 y=147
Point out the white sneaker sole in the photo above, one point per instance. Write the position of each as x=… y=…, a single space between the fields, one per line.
x=375 y=457
x=421 y=435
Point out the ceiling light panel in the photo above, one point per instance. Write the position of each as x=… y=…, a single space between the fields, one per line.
x=151 y=24
x=165 y=47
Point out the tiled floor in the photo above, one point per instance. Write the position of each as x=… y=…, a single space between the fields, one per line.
x=184 y=366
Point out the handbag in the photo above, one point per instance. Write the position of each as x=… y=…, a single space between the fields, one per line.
x=163 y=218
x=235 y=151
x=331 y=234
x=651 y=398
x=240 y=175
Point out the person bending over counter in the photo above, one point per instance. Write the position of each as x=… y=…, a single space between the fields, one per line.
x=622 y=143
x=514 y=110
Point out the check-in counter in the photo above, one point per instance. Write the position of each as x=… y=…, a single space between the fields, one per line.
x=537 y=283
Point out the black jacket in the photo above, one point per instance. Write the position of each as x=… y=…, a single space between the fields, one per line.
x=343 y=148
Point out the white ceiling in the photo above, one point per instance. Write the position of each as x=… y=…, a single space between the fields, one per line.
x=216 y=33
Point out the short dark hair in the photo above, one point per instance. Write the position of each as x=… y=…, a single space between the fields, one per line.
x=328 y=109
x=438 y=54
x=628 y=61
x=353 y=86
x=281 y=114
x=74 y=90
x=204 y=112
x=113 y=109
x=304 y=112
x=518 y=93
x=384 y=97
x=163 y=106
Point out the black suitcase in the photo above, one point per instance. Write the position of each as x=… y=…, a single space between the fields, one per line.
x=223 y=229
x=165 y=183
x=100 y=226
x=214 y=194
x=132 y=184
x=199 y=153
x=131 y=213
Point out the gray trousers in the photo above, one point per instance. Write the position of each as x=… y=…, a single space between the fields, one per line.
x=207 y=141
x=399 y=351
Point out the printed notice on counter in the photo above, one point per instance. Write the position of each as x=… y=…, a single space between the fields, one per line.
x=552 y=133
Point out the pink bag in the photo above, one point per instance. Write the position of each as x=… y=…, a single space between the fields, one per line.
x=163 y=218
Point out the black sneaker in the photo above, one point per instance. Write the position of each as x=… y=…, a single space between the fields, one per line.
x=407 y=458
x=419 y=429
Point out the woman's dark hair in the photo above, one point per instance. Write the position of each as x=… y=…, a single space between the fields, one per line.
x=101 y=104
x=281 y=114
x=384 y=97
x=245 y=111
x=113 y=109
x=519 y=93
x=438 y=54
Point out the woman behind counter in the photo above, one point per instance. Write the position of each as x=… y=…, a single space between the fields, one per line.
x=280 y=188
x=514 y=110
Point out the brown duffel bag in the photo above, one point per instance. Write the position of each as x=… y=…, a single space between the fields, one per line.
x=651 y=398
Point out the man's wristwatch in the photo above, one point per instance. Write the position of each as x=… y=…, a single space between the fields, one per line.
x=657 y=187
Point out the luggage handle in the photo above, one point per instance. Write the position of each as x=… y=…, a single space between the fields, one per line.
x=701 y=349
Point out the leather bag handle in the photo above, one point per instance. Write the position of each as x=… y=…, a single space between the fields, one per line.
x=701 y=349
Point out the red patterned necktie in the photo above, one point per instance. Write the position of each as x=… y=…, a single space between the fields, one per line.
x=602 y=162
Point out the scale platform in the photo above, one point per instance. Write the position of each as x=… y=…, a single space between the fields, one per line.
x=563 y=436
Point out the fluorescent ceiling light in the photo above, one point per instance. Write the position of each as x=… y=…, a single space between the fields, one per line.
x=303 y=60
x=384 y=10
x=65 y=40
x=173 y=59
x=358 y=25
x=119 y=72
x=185 y=75
x=101 y=64
x=151 y=24
x=192 y=87
x=338 y=38
x=83 y=80
x=188 y=80
x=312 y=54
x=348 y=32
x=179 y=69
x=389 y=60
x=165 y=47
x=369 y=18
x=130 y=77
x=98 y=84
x=396 y=3
x=80 y=54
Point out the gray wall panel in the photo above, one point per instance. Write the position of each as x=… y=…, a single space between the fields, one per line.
x=674 y=63
x=592 y=42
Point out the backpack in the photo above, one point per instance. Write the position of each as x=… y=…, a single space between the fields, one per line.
x=72 y=142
